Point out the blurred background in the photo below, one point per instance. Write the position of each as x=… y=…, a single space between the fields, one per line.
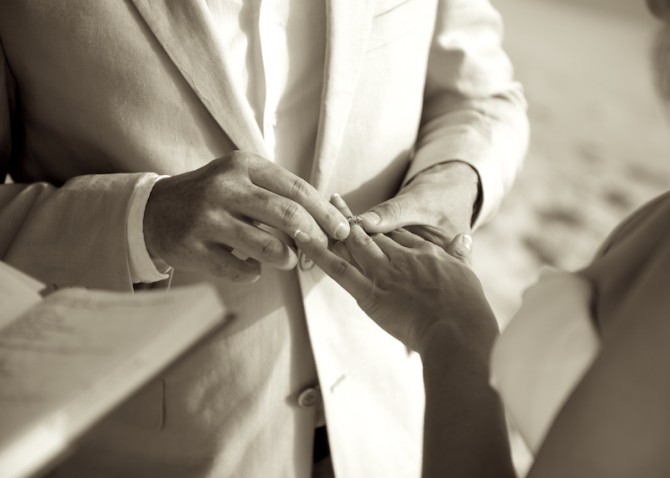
x=600 y=139
x=600 y=142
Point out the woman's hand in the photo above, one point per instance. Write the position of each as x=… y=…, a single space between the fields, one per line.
x=412 y=288
x=427 y=297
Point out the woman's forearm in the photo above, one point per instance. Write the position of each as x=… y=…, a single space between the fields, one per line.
x=464 y=426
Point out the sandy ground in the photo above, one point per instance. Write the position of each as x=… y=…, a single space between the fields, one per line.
x=600 y=143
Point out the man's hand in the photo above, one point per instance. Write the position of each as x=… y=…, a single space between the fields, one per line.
x=442 y=196
x=194 y=221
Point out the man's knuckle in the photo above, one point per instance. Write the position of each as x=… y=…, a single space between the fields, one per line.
x=239 y=157
x=260 y=197
x=271 y=250
x=298 y=189
x=393 y=209
x=208 y=219
x=231 y=162
x=291 y=214
x=237 y=164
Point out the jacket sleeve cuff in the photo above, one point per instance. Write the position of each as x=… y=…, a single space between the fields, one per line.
x=496 y=161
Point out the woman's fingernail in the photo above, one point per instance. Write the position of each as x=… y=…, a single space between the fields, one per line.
x=300 y=236
x=466 y=240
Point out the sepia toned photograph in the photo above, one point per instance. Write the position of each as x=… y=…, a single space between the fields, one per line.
x=334 y=238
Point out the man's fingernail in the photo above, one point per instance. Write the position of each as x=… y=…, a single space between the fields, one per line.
x=342 y=231
x=300 y=236
x=466 y=240
x=371 y=217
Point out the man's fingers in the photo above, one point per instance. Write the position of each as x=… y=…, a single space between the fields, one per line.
x=461 y=248
x=345 y=274
x=280 y=181
x=260 y=245
x=279 y=212
x=220 y=262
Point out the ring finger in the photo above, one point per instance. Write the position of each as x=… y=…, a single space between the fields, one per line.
x=363 y=249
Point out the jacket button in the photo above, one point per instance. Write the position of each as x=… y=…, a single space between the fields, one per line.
x=304 y=262
x=309 y=397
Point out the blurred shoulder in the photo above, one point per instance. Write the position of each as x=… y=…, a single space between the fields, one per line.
x=648 y=225
x=631 y=272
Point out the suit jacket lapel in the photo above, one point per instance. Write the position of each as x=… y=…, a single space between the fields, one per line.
x=187 y=33
x=349 y=24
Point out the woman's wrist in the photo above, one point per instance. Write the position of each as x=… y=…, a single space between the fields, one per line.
x=451 y=339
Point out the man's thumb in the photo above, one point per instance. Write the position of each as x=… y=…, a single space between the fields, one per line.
x=385 y=217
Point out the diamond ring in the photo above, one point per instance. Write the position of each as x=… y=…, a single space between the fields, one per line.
x=355 y=220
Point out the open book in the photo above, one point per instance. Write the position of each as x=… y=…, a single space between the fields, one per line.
x=68 y=359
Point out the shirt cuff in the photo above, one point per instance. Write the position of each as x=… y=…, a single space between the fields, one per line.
x=143 y=267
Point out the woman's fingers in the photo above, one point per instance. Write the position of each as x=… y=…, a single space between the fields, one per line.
x=430 y=233
x=459 y=247
x=342 y=251
x=337 y=201
x=390 y=246
x=407 y=238
x=344 y=273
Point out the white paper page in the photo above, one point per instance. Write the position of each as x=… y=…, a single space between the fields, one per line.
x=70 y=349
x=18 y=292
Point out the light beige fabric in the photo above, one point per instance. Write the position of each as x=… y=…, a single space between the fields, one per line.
x=580 y=336
x=544 y=351
x=282 y=47
x=93 y=88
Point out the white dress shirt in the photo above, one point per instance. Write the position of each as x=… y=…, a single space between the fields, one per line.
x=278 y=44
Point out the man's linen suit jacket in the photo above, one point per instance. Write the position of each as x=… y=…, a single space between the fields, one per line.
x=95 y=93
